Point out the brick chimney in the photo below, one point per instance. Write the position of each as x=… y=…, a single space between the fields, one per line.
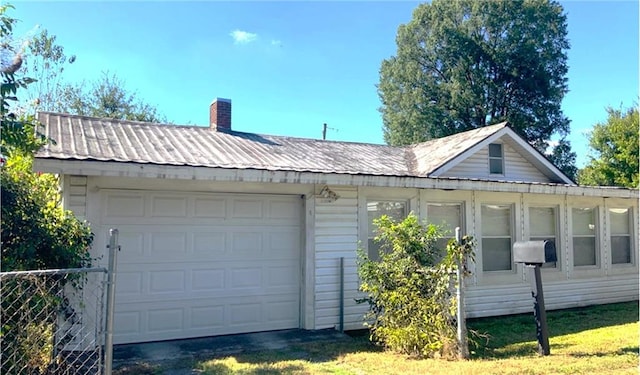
x=220 y=115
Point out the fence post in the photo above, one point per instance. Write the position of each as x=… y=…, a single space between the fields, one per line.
x=463 y=345
x=341 y=295
x=111 y=299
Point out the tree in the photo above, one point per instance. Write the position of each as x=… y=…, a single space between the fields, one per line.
x=107 y=97
x=17 y=130
x=465 y=64
x=565 y=159
x=46 y=62
x=615 y=150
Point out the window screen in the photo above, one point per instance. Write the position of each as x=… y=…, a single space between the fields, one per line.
x=496 y=237
x=619 y=219
x=496 y=159
x=584 y=236
x=543 y=226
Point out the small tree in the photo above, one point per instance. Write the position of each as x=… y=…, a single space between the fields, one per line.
x=410 y=290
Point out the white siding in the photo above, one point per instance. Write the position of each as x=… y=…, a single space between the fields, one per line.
x=336 y=236
x=483 y=301
x=75 y=195
x=516 y=168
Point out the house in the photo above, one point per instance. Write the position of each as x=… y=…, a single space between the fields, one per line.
x=226 y=232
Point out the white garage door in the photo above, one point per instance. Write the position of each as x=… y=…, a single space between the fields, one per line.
x=196 y=265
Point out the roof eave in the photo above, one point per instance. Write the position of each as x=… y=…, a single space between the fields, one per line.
x=137 y=170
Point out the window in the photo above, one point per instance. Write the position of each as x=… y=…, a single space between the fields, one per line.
x=496 y=237
x=543 y=226
x=619 y=219
x=496 y=159
x=448 y=216
x=584 y=236
x=397 y=210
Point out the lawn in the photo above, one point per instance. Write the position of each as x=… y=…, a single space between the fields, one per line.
x=600 y=339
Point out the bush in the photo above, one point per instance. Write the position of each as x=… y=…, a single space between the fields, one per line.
x=411 y=289
x=37 y=233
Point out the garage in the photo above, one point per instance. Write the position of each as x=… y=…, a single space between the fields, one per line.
x=203 y=264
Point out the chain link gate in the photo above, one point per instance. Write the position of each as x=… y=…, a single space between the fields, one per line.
x=52 y=321
x=58 y=321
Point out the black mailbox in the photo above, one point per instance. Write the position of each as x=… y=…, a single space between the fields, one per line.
x=534 y=252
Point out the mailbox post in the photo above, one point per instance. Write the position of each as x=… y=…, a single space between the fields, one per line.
x=533 y=254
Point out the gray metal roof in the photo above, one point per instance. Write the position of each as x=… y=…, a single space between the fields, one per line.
x=88 y=138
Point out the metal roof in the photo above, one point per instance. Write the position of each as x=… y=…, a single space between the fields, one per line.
x=88 y=138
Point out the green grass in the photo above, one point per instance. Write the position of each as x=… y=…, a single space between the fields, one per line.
x=600 y=339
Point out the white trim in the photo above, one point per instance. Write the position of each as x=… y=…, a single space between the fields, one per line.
x=515 y=274
x=118 y=169
x=307 y=299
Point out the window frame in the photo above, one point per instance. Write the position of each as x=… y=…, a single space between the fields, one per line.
x=557 y=237
x=496 y=158
x=512 y=236
x=629 y=235
x=597 y=209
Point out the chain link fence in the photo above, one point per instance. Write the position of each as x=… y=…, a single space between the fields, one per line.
x=53 y=321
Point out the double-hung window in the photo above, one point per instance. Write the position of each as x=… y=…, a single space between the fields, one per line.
x=496 y=159
x=396 y=210
x=497 y=237
x=620 y=232
x=585 y=250
x=448 y=216
x=543 y=226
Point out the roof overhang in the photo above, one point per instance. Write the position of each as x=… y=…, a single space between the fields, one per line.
x=139 y=170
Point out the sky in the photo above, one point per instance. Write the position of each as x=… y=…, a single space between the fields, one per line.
x=289 y=67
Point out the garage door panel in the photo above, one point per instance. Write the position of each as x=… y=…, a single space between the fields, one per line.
x=208 y=280
x=168 y=244
x=132 y=242
x=209 y=245
x=204 y=264
x=247 y=208
x=207 y=317
x=125 y=205
x=129 y=283
x=283 y=210
x=127 y=322
x=168 y=206
x=165 y=320
x=247 y=243
x=210 y=207
x=167 y=282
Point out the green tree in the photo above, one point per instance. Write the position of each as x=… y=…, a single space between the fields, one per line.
x=465 y=64
x=615 y=150
x=45 y=62
x=106 y=97
x=565 y=159
x=409 y=290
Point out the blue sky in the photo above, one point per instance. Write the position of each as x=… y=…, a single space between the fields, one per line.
x=289 y=67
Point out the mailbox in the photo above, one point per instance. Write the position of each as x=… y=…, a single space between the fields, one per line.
x=534 y=252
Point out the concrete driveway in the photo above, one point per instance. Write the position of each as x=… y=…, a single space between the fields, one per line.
x=166 y=353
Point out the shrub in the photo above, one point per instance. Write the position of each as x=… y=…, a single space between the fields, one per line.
x=410 y=289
